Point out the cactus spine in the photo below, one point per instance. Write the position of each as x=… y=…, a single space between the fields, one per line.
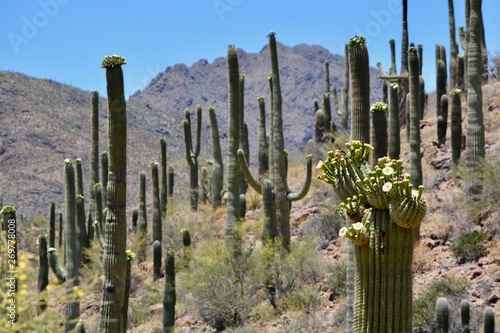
x=169 y=296
x=217 y=180
x=71 y=248
x=114 y=257
x=43 y=273
x=233 y=169
x=384 y=211
x=442 y=315
x=142 y=220
x=192 y=155
x=278 y=173
x=157 y=227
x=415 y=155
x=456 y=124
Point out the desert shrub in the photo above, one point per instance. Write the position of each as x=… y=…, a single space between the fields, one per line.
x=452 y=287
x=282 y=271
x=337 y=277
x=215 y=285
x=326 y=226
x=469 y=246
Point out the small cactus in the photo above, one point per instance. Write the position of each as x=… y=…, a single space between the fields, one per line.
x=156 y=260
x=442 y=315
x=465 y=315
x=169 y=294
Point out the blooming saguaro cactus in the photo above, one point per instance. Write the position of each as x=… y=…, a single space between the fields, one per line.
x=384 y=209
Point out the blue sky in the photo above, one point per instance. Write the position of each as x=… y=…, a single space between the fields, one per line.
x=65 y=40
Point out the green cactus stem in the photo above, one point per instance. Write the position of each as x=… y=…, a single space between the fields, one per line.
x=164 y=179
x=157 y=227
x=489 y=320
x=263 y=152
x=81 y=229
x=156 y=260
x=61 y=231
x=344 y=117
x=404 y=39
x=475 y=150
x=456 y=125
x=104 y=182
x=55 y=265
x=460 y=72
x=379 y=133
x=52 y=225
x=360 y=89
x=99 y=220
x=130 y=256
x=453 y=45
x=440 y=84
x=80 y=327
x=114 y=257
x=94 y=157
x=205 y=185
x=442 y=315
x=142 y=219
x=233 y=169
x=415 y=155
x=169 y=295
x=170 y=191
x=135 y=216
x=465 y=315
x=192 y=154
x=43 y=273
x=217 y=179
x=244 y=144
x=384 y=211
x=394 y=128
x=71 y=248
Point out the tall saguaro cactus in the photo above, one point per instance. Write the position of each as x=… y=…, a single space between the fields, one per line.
x=360 y=89
x=384 y=210
x=415 y=155
x=71 y=248
x=218 y=165
x=475 y=127
x=233 y=169
x=169 y=295
x=192 y=154
x=142 y=219
x=114 y=256
x=157 y=227
x=164 y=178
x=456 y=124
x=278 y=169
x=263 y=152
x=94 y=153
x=453 y=45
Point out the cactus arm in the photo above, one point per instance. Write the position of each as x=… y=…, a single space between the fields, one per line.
x=55 y=265
x=187 y=138
x=415 y=155
x=307 y=183
x=52 y=225
x=98 y=220
x=43 y=273
x=157 y=227
x=198 y=131
x=269 y=229
x=246 y=172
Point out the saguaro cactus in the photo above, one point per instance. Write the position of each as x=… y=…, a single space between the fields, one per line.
x=233 y=169
x=263 y=152
x=164 y=179
x=130 y=257
x=384 y=210
x=278 y=169
x=114 y=257
x=456 y=124
x=71 y=248
x=379 y=121
x=442 y=315
x=169 y=295
x=156 y=260
x=360 y=89
x=142 y=219
x=415 y=155
x=52 y=225
x=394 y=128
x=43 y=273
x=192 y=154
x=217 y=180
x=55 y=265
x=157 y=227
x=453 y=45
x=465 y=315
x=94 y=156
x=489 y=320
x=99 y=220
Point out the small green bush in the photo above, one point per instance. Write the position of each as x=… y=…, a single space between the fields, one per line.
x=337 y=279
x=469 y=246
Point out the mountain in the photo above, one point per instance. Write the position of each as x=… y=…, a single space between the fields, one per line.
x=45 y=122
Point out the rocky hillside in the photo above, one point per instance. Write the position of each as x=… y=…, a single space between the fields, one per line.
x=45 y=122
